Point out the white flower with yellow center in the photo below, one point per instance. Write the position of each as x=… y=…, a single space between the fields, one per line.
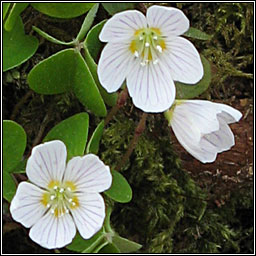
x=202 y=128
x=150 y=54
x=63 y=197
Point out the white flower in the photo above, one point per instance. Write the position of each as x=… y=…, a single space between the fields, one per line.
x=150 y=54
x=202 y=128
x=62 y=197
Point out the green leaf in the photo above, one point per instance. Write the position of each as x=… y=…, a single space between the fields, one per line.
x=86 y=246
x=9 y=186
x=73 y=131
x=14 y=144
x=17 y=47
x=66 y=71
x=197 y=34
x=87 y=22
x=188 y=91
x=86 y=89
x=120 y=190
x=5 y=9
x=124 y=245
x=55 y=74
x=92 y=48
x=63 y=10
x=93 y=144
x=109 y=248
x=20 y=167
x=113 y=8
x=14 y=13
x=51 y=38
x=92 y=42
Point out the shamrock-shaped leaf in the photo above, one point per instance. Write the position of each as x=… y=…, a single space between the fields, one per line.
x=14 y=13
x=73 y=132
x=93 y=144
x=113 y=8
x=120 y=190
x=14 y=144
x=67 y=71
x=17 y=47
x=63 y=10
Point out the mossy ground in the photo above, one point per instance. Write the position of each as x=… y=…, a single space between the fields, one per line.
x=171 y=211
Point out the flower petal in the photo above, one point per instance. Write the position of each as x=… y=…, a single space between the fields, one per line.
x=26 y=207
x=88 y=173
x=229 y=114
x=122 y=26
x=201 y=127
x=151 y=87
x=170 y=21
x=90 y=214
x=202 y=113
x=47 y=163
x=183 y=61
x=220 y=140
x=53 y=232
x=114 y=65
x=184 y=133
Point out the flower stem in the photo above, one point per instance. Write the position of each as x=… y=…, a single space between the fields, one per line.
x=138 y=131
x=122 y=97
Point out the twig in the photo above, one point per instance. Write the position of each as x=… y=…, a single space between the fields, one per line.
x=42 y=127
x=138 y=131
x=19 y=104
x=122 y=97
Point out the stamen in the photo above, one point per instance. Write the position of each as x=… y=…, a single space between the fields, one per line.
x=61 y=190
x=52 y=211
x=155 y=61
x=67 y=211
x=73 y=203
x=48 y=206
x=141 y=38
x=52 y=197
x=147 y=44
x=159 y=48
x=68 y=188
x=70 y=200
x=55 y=187
x=155 y=37
x=136 y=54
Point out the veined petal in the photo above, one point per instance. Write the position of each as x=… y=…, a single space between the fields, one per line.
x=183 y=61
x=26 y=206
x=47 y=163
x=170 y=21
x=202 y=113
x=88 y=173
x=151 y=87
x=114 y=64
x=52 y=232
x=229 y=114
x=184 y=134
x=90 y=214
x=220 y=140
x=122 y=26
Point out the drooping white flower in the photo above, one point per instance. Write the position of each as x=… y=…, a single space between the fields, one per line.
x=150 y=54
x=202 y=128
x=62 y=197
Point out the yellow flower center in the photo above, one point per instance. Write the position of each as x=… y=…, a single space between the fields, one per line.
x=147 y=44
x=60 y=198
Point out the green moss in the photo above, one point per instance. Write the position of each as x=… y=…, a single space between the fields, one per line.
x=169 y=212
